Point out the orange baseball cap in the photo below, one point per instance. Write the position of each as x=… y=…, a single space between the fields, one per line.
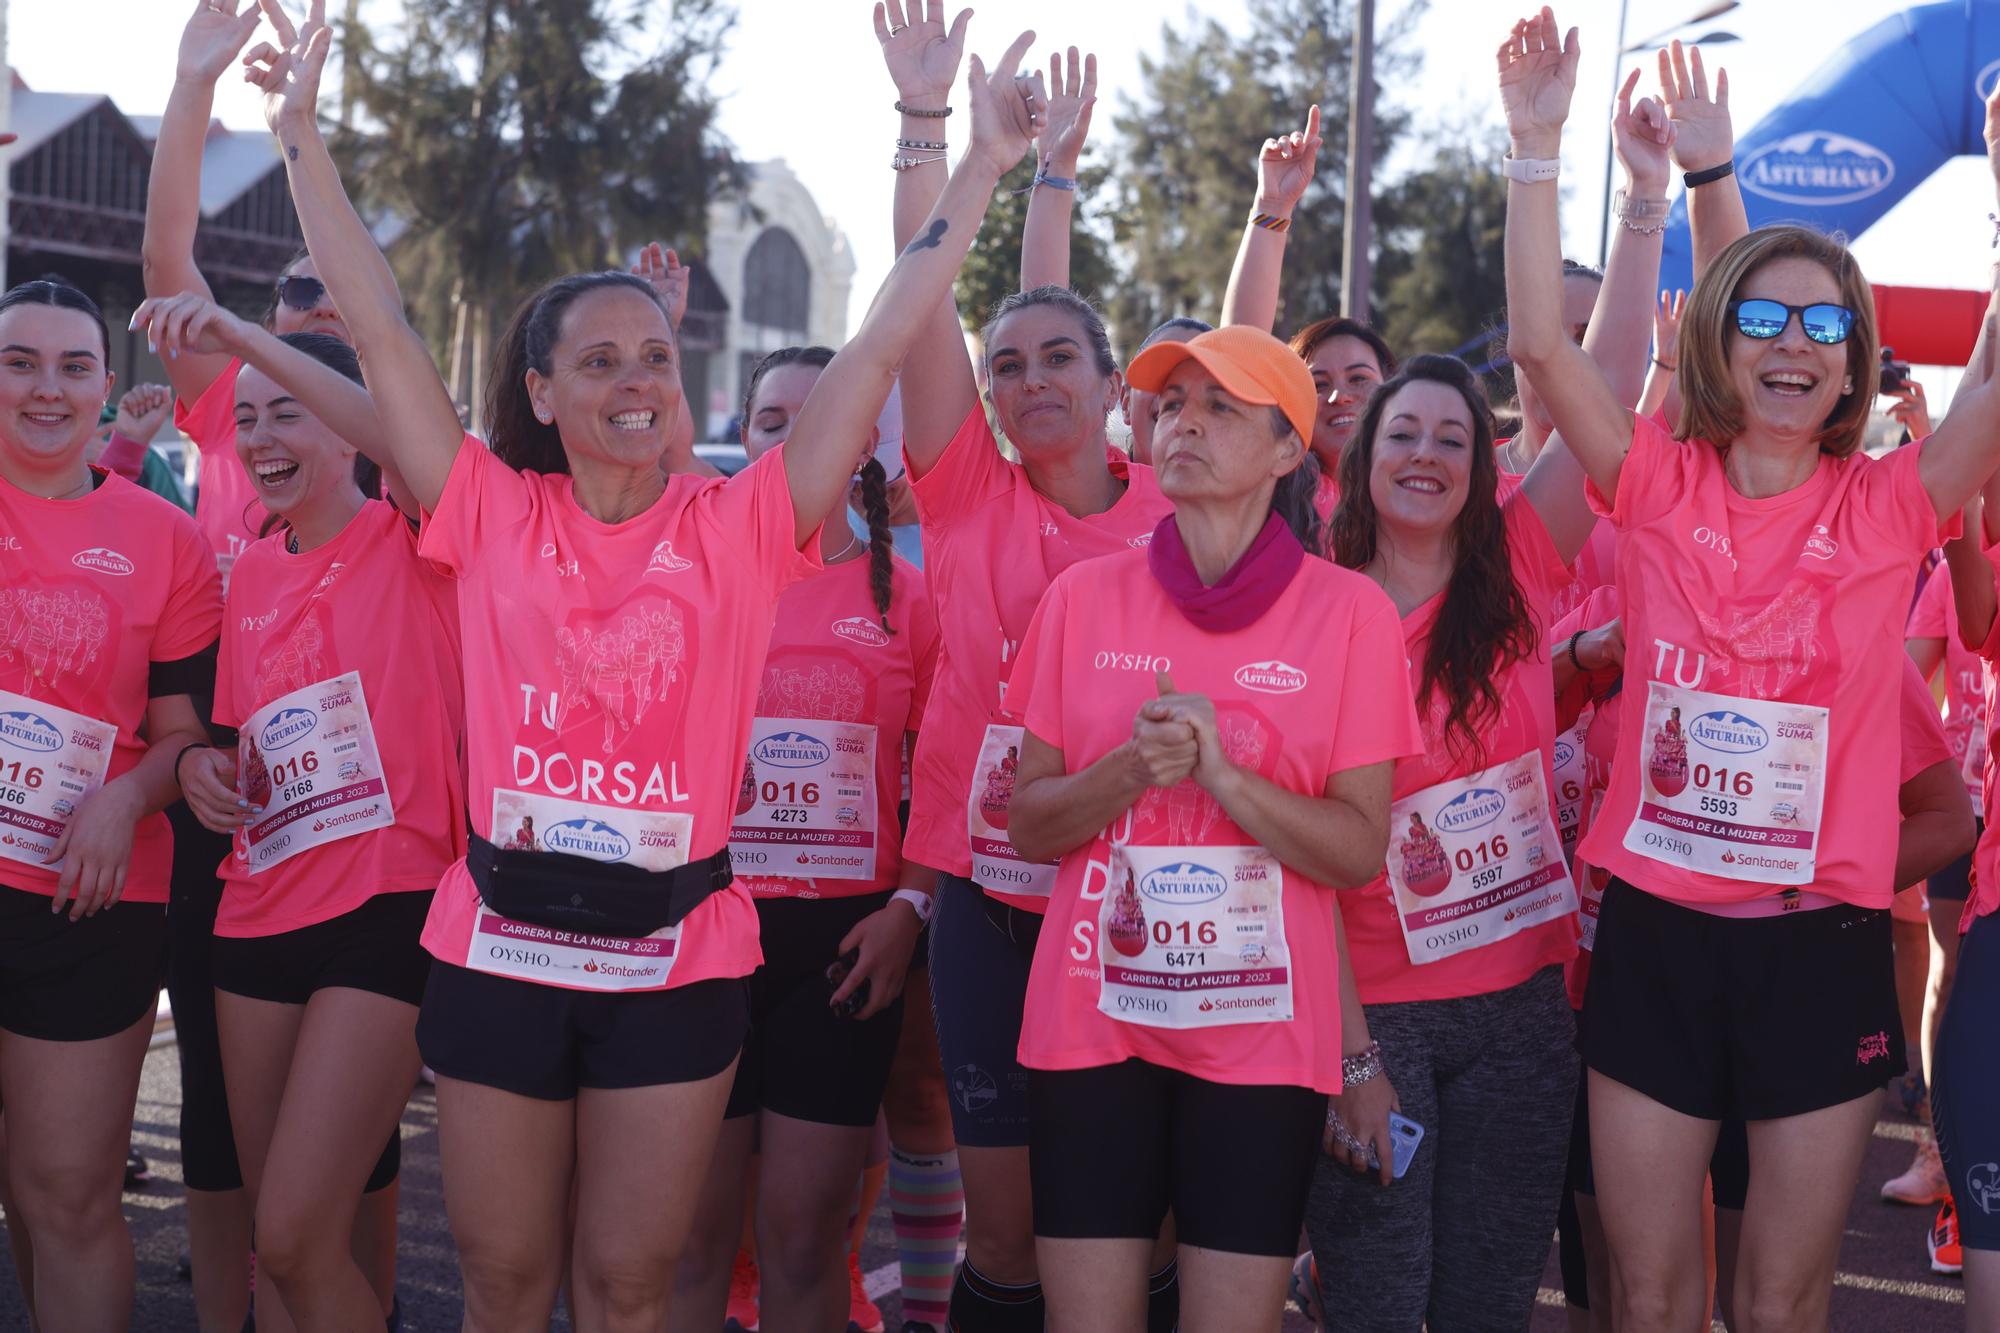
x=1249 y=364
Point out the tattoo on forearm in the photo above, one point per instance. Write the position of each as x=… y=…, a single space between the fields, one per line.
x=292 y=152
x=929 y=240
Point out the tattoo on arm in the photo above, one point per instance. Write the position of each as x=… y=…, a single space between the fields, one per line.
x=929 y=240
x=292 y=152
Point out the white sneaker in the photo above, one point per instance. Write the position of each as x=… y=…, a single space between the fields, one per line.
x=1924 y=1183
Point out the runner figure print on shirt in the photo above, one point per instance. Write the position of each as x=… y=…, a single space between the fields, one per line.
x=298 y=661
x=830 y=691
x=639 y=656
x=53 y=632
x=1773 y=647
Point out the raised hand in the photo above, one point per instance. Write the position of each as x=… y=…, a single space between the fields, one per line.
x=189 y=322
x=1643 y=137
x=668 y=277
x=143 y=411
x=1537 y=80
x=212 y=38
x=1285 y=167
x=1071 y=97
x=1993 y=131
x=1667 y=327
x=1703 y=137
x=922 y=54
x=288 y=73
x=1004 y=114
x=1911 y=410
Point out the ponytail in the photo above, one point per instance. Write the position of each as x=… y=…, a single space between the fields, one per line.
x=875 y=508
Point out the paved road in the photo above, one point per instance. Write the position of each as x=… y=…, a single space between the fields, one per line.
x=1884 y=1281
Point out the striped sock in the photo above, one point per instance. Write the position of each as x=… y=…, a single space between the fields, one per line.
x=928 y=1203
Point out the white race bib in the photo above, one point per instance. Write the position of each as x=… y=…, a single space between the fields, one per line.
x=1475 y=860
x=1571 y=779
x=806 y=809
x=995 y=863
x=1730 y=787
x=1194 y=937
x=651 y=840
x=50 y=760
x=310 y=760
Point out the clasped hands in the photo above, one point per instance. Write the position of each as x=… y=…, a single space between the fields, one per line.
x=1174 y=737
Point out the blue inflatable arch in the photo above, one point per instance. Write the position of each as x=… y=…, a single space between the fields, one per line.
x=1885 y=112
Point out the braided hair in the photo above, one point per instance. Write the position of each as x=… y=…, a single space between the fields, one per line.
x=874 y=477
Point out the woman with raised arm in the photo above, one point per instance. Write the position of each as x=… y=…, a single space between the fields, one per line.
x=111 y=605
x=1045 y=238
x=995 y=533
x=1751 y=846
x=815 y=840
x=345 y=800
x=1191 y=981
x=590 y=991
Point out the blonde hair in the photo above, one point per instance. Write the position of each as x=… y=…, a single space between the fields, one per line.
x=1710 y=409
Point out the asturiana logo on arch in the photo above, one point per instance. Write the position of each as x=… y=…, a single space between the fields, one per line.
x=1183 y=883
x=288 y=727
x=589 y=838
x=30 y=731
x=1817 y=167
x=1271 y=677
x=1729 y=733
x=1469 y=810
x=791 y=749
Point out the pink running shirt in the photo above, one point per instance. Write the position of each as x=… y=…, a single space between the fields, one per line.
x=1313 y=688
x=95 y=590
x=1383 y=972
x=614 y=666
x=992 y=545
x=225 y=502
x=367 y=603
x=1935 y=616
x=1793 y=598
x=831 y=661
x=1985 y=895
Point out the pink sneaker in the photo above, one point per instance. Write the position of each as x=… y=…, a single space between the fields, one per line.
x=1924 y=1183
x=741 y=1312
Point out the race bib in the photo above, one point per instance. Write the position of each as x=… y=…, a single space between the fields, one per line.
x=309 y=759
x=1730 y=787
x=1475 y=860
x=1590 y=886
x=530 y=822
x=50 y=760
x=649 y=839
x=995 y=863
x=1974 y=768
x=1194 y=937
x=1571 y=780
x=806 y=809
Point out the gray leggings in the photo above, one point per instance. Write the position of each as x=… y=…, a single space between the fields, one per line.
x=1459 y=1243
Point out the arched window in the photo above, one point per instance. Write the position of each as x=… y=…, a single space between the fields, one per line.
x=777 y=284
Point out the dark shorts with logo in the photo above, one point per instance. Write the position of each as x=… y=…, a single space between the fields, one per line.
x=801 y=1059
x=981 y=950
x=1733 y=1018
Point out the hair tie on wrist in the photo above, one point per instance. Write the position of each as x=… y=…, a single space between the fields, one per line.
x=1696 y=179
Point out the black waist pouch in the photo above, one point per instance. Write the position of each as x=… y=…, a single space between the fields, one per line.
x=575 y=893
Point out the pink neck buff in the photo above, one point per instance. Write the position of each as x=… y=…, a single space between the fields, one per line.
x=1241 y=596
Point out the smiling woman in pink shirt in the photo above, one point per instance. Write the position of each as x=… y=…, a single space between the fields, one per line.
x=1210 y=728
x=1742 y=955
x=591 y=990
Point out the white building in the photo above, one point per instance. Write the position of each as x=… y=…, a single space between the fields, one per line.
x=783 y=269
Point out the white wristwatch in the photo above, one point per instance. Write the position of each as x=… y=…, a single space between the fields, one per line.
x=921 y=903
x=1530 y=170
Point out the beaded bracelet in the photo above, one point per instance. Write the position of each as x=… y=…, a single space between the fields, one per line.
x=923 y=113
x=902 y=163
x=1361 y=1066
x=922 y=145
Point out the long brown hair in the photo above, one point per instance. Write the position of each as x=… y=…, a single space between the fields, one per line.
x=1485 y=623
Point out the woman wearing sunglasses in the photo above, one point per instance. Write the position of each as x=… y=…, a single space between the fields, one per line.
x=1742 y=964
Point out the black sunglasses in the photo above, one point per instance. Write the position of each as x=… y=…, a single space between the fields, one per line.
x=1823 y=322
x=300 y=293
